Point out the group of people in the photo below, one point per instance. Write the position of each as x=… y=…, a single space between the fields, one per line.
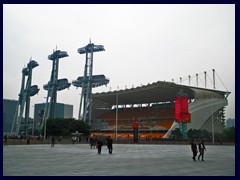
x=201 y=148
x=97 y=142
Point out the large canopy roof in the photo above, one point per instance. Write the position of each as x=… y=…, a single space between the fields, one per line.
x=160 y=91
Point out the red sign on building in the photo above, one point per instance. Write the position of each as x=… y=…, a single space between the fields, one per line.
x=181 y=109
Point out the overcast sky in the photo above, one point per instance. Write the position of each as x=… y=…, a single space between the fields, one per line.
x=143 y=43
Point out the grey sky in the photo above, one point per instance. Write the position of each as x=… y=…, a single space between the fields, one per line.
x=144 y=44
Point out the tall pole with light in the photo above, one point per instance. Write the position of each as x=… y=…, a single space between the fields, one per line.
x=212 y=123
x=33 y=126
x=212 y=107
x=116 y=114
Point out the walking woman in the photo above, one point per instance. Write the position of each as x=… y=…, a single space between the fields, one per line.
x=201 y=148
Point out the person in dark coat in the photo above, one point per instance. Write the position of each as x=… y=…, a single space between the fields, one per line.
x=28 y=140
x=194 y=149
x=91 y=142
x=73 y=139
x=53 y=141
x=99 y=145
x=201 y=148
x=5 y=139
x=109 y=144
x=94 y=142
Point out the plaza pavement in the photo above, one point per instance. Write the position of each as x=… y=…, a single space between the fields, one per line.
x=126 y=160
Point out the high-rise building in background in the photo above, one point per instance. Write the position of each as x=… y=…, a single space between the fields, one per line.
x=61 y=111
x=9 y=108
x=230 y=123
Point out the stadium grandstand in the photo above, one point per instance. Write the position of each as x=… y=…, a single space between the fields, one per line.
x=153 y=107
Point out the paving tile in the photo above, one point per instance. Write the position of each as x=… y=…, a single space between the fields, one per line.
x=126 y=160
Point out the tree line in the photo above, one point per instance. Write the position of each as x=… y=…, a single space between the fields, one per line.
x=226 y=134
x=64 y=127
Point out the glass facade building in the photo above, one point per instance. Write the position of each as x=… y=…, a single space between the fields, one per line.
x=9 y=108
x=62 y=111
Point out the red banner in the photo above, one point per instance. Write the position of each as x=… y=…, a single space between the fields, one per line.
x=177 y=106
x=181 y=109
x=184 y=104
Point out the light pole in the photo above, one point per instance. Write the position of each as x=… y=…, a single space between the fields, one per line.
x=151 y=132
x=45 y=127
x=45 y=119
x=212 y=123
x=33 y=125
x=116 y=114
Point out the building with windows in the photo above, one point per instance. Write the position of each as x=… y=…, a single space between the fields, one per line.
x=62 y=111
x=9 y=108
x=230 y=123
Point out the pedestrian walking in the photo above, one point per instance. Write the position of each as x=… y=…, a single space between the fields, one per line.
x=73 y=139
x=94 y=142
x=201 y=148
x=5 y=139
x=109 y=144
x=60 y=138
x=194 y=149
x=91 y=142
x=28 y=140
x=99 y=145
x=53 y=141
x=220 y=141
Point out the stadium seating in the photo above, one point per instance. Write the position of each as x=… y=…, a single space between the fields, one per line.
x=152 y=121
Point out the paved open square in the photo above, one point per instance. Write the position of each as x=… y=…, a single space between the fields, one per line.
x=126 y=160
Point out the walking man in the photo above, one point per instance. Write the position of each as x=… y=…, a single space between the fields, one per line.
x=91 y=142
x=5 y=139
x=99 y=145
x=53 y=141
x=109 y=144
x=194 y=149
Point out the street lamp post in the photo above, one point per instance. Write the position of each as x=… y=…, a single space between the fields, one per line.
x=116 y=114
x=45 y=127
x=151 y=132
x=44 y=118
x=33 y=125
x=212 y=123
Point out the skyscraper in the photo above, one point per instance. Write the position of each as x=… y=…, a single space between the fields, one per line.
x=9 y=108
